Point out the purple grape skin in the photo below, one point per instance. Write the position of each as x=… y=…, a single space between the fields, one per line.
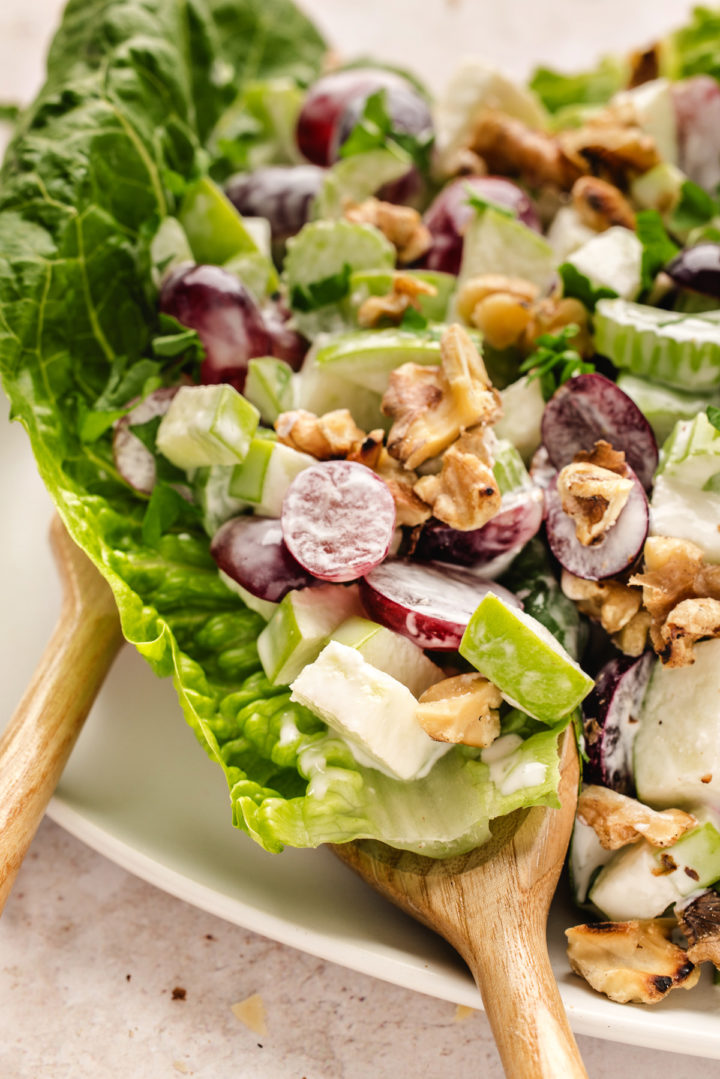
x=398 y=594
x=448 y=216
x=285 y=342
x=697 y=112
x=513 y=527
x=222 y=311
x=133 y=460
x=590 y=407
x=697 y=269
x=282 y=194
x=610 y=721
x=408 y=111
x=618 y=549
x=251 y=550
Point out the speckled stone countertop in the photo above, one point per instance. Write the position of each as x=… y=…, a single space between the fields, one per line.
x=104 y=975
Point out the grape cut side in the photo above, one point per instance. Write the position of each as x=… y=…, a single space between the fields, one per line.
x=590 y=407
x=429 y=603
x=251 y=551
x=610 y=721
x=338 y=519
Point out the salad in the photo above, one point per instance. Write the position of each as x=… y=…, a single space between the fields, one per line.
x=395 y=427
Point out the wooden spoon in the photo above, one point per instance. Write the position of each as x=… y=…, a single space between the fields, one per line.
x=39 y=738
x=492 y=906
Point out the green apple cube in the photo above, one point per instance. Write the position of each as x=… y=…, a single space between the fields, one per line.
x=522 y=658
x=213 y=226
x=496 y=242
x=368 y=357
x=207 y=425
x=264 y=607
x=611 y=259
x=269 y=386
x=211 y=492
x=265 y=475
x=300 y=627
x=372 y=711
x=390 y=652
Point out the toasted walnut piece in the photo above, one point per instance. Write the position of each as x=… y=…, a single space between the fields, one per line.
x=644 y=66
x=461 y=709
x=409 y=507
x=432 y=406
x=610 y=147
x=503 y=319
x=327 y=437
x=604 y=456
x=699 y=920
x=478 y=288
x=618 y=820
x=464 y=494
x=510 y=148
x=675 y=572
x=401 y=225
x=369 y=451
x=611 y=603
x=464 y=162
x=405 y=292
x=552 y=315
x=594 y=497
x=632 y=638
x=630 y=961
x=600 y=205
x=692 y=620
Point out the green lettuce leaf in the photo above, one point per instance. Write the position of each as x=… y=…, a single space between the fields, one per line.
x=134 y=88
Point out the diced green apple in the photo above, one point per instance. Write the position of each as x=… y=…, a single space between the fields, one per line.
x=264 y=607
x=269 y=386
x=265 y=475
x=301 y=626
x=390 y=652
x=373 y=712
x=207 y=425
x=213 y=226
x=522 y=658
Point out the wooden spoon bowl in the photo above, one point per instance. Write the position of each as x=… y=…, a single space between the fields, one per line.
x=492 y=905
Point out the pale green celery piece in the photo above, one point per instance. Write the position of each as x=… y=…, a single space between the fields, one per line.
x=677 y=746
x=264 y=607
x=528 y=665
x=169 y=248
x=692 y=452
x=322 y=250
x=367 y=357
x=211 y=489
x=523 y=407
x=265 y=475
x=389 y=652
x=684 y=502
x=680 y=350
x=365 y=283
x=508 y=468
x=269 y=386
x=299 y=629
x=497 y=243
x=612 y=259
x=215 y=230
x=662 y=405
x=356 y=178
x=207 y=425
x=256 y=271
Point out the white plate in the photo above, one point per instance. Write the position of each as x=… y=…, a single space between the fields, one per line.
x=140 y=790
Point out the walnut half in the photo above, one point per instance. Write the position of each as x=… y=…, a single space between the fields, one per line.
x=630 y=961
x=618 y=820
x=593 y=497
x=461 y=709
x=700 y=922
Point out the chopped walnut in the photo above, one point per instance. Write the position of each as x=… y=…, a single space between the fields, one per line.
x=461 y=709
x=401 y=225
x=481 y=286
x=677 y=584
x=604 y=456
x=616 y=606
x=630 y=961
x=555 y=313
x=464 y=162
x=432 y=406
x=409 y=507
x=618 y=820
x=700 y=922
x=406 y=291
x=610 y=146
x=632 y=638
x=511 y=148
x=600 y=205
x=593 y=497
x=330 y=437
x=464 y=494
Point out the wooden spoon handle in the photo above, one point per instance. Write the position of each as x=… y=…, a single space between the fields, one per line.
x=37 y=741
x=523 y=1004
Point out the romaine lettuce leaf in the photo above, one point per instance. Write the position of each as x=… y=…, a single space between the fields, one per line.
x=133 y=89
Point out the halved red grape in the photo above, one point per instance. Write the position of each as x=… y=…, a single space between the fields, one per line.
x=133 y=460
x=338 y=519
x=618 y=549
x=227 y=319
x=448 y=215
x=285 y=342
x=251 y=550
x=590 y=407
x=282 y=194
x=610 y=721
x=515 y=525
x=698 y=269
x=697 y=111
x=429 y=603
x=334 y=104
